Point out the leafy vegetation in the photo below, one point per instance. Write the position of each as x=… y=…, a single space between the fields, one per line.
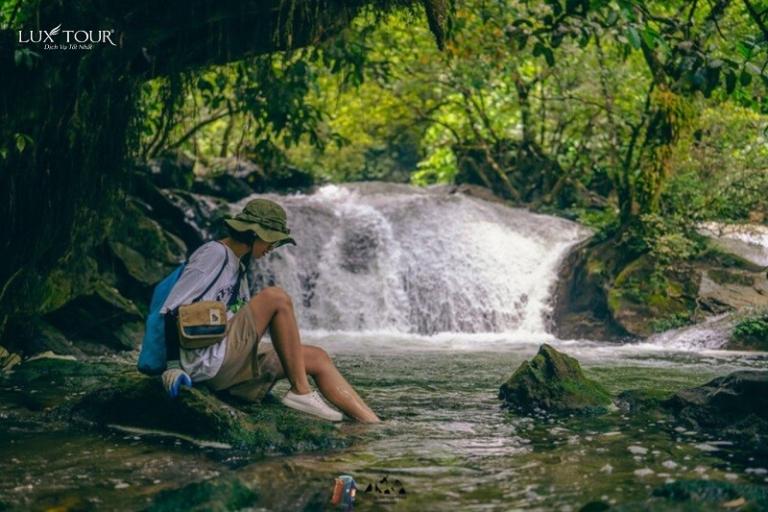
x=752 y=329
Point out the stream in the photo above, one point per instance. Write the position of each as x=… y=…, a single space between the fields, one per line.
x=444 y=437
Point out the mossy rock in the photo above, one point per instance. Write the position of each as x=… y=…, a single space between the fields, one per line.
x=553 y=382
x=64 y=372
x=209 y=495
x=734 y=406
x=643 y=302
x=116 y=394
x=141 y=402
x=145 y=249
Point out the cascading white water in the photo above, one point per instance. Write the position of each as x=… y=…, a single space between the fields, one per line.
x=400 y=259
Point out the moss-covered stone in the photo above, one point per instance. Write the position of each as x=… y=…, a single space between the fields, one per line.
x=553 y=382
x=146 y=250
x=100 y=316
x=734 y=406
x=116 y=394
x=138 y=401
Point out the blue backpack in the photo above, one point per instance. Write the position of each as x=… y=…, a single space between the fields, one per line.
x=154 y=349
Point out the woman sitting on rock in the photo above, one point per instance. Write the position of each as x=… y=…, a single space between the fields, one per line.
x=239 y=363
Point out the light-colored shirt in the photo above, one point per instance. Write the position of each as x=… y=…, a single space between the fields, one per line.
x=201 y=269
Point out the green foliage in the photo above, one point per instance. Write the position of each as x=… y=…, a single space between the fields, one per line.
x=640 y=119
x=752 y=328
x=670 y=322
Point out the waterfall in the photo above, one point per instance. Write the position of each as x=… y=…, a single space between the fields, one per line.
x=399 y=259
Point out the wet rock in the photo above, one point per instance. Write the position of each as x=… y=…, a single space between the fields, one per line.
x=195 y=218
x=228 y=178
x=209 y=495
x=601 y=294
x=553 y=382
x=133 y=400
x=226 y=186
x=735 y=406
x=174 y=170
x=36 y=335
x=580 y=299
x=146 y=251
x=100 y=316
x=283 y=179
x=723 y=290
x=726 y=495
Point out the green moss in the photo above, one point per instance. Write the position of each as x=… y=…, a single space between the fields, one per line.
x=554 y=382
x=117 y=394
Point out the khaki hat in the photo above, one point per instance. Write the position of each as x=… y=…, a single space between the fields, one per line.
x=265 y=218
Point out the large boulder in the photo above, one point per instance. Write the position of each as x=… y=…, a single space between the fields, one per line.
x=145 y=250
x=97 y=394
x=100 y=316
x=141 y=402
x=603 y=293
x=735 y=406
x=553 y=382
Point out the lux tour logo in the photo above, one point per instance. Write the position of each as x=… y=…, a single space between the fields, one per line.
x=58 y=39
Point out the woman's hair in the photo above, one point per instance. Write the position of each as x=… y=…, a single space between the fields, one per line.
x=245 y=237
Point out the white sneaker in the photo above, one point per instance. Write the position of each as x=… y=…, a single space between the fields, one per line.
x=311 y=403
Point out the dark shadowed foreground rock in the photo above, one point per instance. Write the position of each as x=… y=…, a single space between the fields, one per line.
x=141 y=402
x=553 y=382
x=116 y=396
x=723 y=495
x=736 y=406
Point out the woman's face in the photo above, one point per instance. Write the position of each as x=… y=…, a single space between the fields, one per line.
x=260 y=248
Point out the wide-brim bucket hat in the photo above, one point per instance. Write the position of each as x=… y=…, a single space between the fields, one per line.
x=266 y=219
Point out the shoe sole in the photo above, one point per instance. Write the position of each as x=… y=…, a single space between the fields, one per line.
x=310 y=410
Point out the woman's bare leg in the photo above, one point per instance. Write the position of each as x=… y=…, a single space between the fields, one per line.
x=272 y=308
x=334 y=386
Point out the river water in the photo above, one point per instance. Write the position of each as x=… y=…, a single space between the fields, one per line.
x=427 y=303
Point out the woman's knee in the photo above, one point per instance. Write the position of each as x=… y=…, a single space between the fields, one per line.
x=276 y=297
x=315 y=358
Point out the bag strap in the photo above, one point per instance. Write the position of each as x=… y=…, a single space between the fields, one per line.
x=226 y=262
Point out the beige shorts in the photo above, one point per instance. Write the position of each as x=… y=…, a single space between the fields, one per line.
x=250 y=368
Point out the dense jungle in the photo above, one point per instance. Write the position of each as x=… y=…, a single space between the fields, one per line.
x=532 y=234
